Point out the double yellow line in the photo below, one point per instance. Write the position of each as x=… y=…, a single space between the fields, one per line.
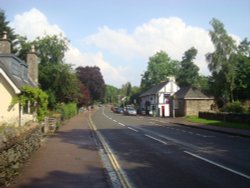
x=121 y=175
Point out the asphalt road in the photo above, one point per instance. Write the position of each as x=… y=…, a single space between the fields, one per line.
x=155 y=154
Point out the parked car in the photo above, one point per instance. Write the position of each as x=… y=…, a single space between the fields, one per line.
x=130 y=111
x=118 y=110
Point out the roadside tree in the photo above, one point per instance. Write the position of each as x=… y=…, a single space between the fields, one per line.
x=160 y=66
x=92 y=78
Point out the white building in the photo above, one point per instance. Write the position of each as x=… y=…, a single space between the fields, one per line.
x=157 y=99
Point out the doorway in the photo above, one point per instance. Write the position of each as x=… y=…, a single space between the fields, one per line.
x=163 y=111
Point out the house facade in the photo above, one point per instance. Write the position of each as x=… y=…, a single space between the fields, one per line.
x=157 y=100
x=189 y=101
x=14 y=74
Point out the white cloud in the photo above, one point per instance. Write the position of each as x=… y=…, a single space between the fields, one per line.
x=169 y=34
x=130 y=49
x=119 y=42
x=34 y=23
x=112 y=75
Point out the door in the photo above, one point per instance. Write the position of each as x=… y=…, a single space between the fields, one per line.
x=163 y=111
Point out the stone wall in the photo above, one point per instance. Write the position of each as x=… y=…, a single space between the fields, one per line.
x=191 y=107
x=195 y=105
x=15 y=148
x=230 y=117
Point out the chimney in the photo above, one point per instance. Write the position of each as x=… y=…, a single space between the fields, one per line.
x=5 y=44
x=171 y=78
x=32 y=61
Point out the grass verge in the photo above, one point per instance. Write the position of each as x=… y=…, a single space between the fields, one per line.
x=234 y=125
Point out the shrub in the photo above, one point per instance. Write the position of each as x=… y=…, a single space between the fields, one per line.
x=235 y=107
x=67 y=110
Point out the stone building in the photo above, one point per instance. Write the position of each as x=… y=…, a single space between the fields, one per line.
x=189 y=101
x=14 y=74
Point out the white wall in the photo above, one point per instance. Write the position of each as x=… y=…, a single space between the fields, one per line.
x=170 y=88
x=10 y=114
x=7 y=114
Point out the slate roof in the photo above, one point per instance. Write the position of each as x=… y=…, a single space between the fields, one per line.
x=21 y=79
x=155 y=89
x=190 y=93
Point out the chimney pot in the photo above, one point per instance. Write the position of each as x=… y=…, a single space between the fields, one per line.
x=5 y=36
x=5 y=47
x=33 y=50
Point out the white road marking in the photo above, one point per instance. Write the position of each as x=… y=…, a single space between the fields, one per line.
x=204 y=136
x=132 y=129
x=114 y=121
x=121 y=124
x=158 y=124
x=155 y=139
x=218 y=165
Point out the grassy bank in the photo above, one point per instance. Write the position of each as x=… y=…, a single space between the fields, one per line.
x=196 y=119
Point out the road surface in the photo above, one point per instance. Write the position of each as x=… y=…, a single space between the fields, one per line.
x=152 y=153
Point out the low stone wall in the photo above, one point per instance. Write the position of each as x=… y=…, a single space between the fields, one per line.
x=230 y=117
x=15 y=148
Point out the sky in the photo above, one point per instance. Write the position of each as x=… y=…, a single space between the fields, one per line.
x=121 y=36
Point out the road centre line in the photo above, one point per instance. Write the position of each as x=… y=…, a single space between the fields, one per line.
x=155 y=139
x=218 y=165
x=132 y=129
x=121 y=124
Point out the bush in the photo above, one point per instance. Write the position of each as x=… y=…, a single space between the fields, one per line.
x=235 y=107
x=67 y=110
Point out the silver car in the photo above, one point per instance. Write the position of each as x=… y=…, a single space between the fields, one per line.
x=130 y=111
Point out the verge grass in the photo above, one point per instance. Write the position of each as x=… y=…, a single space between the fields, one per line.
x=234 y=125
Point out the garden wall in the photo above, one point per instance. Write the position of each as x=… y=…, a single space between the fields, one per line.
x=230 y=117
x=15 y=148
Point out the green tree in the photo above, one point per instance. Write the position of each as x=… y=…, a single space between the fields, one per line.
x=204 y=84
x=111 y=94
x=126 y=89
x=10 y=32
x=243 y=71
x=222 y=62
x=160 y=66
x=134 y=97
x=189 y=72
x=51 y=49
x=55 y=76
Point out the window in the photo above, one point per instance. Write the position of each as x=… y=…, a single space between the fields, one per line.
x=166 y=98
x=26 y=108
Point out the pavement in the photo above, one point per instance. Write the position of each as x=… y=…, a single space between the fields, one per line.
x=70 y=158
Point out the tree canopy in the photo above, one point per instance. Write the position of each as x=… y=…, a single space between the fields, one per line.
x=55 y=76
x=189 y=72
x=160 y=66
x=92 y=78
x=222 y=62
x=4 y=27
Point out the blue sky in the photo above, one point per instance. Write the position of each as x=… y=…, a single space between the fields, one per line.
x=120 y=36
